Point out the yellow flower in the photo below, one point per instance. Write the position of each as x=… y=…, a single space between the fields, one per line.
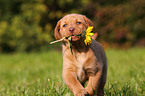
x=89 y=29
x=88 y=35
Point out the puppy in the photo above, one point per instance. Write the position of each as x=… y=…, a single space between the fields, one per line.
x=88 y=62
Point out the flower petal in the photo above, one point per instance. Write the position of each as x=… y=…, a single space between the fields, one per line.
x=89 y=29
x=88 y=35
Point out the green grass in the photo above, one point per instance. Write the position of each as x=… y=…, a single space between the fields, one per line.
x=39 y=74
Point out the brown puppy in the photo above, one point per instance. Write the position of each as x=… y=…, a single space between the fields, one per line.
x=86 y=62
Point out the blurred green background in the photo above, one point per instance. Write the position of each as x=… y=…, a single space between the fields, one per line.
x=27 y=25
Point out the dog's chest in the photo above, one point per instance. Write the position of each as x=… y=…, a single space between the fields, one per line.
x=85 y=64
x=80 y=59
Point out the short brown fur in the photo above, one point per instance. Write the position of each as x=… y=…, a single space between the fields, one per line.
x=86 y=62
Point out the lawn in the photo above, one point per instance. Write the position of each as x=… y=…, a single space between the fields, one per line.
x=39 y=74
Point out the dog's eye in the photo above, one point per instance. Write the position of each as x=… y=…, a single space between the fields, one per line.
x=64 y=25
x=78 y=23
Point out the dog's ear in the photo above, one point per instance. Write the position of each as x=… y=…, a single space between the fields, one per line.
x=88 y=21
x=57 y=30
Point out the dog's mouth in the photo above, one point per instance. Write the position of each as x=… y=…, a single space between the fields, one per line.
x=74 y=37
x=77 y=34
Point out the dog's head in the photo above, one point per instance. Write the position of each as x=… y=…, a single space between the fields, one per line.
x=72 y=25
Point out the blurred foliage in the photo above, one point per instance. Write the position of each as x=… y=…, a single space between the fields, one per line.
x=27 y=25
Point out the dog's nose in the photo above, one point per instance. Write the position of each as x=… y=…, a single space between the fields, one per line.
x=71 y=29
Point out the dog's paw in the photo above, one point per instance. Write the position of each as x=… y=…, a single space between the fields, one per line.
x=82 y=92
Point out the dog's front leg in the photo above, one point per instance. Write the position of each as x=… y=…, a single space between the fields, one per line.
x=93 y=83
x=74 y=85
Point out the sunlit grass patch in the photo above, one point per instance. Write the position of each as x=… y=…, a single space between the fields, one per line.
x=41 y=74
